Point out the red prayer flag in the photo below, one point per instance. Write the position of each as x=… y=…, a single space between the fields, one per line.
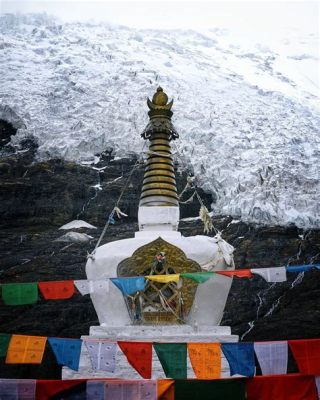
x=56 y=290
x=46 y=389
x=240 y=273
x=282 y=387
x=139 y=355
x=307 y=355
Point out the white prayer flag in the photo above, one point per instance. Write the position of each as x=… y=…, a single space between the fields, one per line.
x=276 y=274
x=272 y=357
x=87 y=286
x=102 y=354
x=17 y=389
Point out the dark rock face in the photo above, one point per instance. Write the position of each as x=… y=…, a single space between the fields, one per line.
x=38 y=197
x=6 y=131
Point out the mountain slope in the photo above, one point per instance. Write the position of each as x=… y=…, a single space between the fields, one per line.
x=249 y=131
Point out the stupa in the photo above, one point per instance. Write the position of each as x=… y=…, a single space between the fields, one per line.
x=182 y=311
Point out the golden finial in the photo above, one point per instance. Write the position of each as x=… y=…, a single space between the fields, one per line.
x=159 y=102
x=160 y=98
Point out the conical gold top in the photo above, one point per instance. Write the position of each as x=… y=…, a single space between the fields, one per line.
x=159 y=184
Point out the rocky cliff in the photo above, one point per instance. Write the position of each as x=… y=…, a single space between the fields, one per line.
x=38 y=197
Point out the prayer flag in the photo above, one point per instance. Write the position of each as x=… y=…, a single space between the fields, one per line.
x=96 y=390
x=272 y=357
x=4 y=343
x=226 y=389
x=102 y=354
x=16 y=294
x=240 y=357
x=17 y=389
x=277 y=274
x=317 y=378
x=239 y=273
x=164 y=278
x=139 y=355
x=26 y=349
x=205 y=359
x=48 y=389
x=283 y=387
x=199 y=277
x=173 y=358
x=67 y=351
x=165 y=389
x=307 y=355
x=129 y=286
x=87 y=286
x=130 y=390
x=56 y=290
x=302 y=268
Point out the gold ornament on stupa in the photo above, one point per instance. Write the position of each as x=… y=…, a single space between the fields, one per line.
x=159 y=184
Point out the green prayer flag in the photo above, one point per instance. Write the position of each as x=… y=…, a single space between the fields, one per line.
x=199 y=277
x=226 y=389
x=173 y=358
x=4 y=343
x=15 y=294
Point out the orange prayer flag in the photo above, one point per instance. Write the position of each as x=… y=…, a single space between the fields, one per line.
x=205 y=359
x=26 y=349
x=240 y=273
x=165 y=389
x=56 y=290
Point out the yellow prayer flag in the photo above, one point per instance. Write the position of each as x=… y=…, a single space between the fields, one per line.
x=26 y=349
x=205 y=359
x=164 y=278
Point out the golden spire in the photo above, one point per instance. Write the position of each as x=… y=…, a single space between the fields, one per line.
x=159 y=183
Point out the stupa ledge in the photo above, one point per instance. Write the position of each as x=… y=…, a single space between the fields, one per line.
x=158 y=218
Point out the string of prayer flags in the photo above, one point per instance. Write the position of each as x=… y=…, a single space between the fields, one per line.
x=284 y=387
x=205 y=359
x=129 y=286
x=16 y=294
x=173 y=358
x=164 y=278
x=67 y=351
x=139 y=355
x=307 y=355
x=102 y=354
x=240 y=357
x=4 y=343
x=239 y=273
x=276 y=274
x=302 y=268
x=17 y=389
x=199 y=277
x=56 y=290
x=272 y=357
x=26 y=349
x=226 y=389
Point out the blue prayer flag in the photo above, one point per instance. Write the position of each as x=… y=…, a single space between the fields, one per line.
x=67 y=351
x=129 y=285
x=302 y=268
x=240 y=357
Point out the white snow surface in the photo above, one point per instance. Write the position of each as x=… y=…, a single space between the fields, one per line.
x=77 y=224
x=74 y=237
x=248 y=114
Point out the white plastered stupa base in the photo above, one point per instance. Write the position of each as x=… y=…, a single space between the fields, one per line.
x=204 y=318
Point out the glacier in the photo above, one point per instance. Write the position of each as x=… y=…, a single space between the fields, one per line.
x=249 y=122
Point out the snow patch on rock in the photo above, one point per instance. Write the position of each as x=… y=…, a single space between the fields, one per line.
x=77 y=224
